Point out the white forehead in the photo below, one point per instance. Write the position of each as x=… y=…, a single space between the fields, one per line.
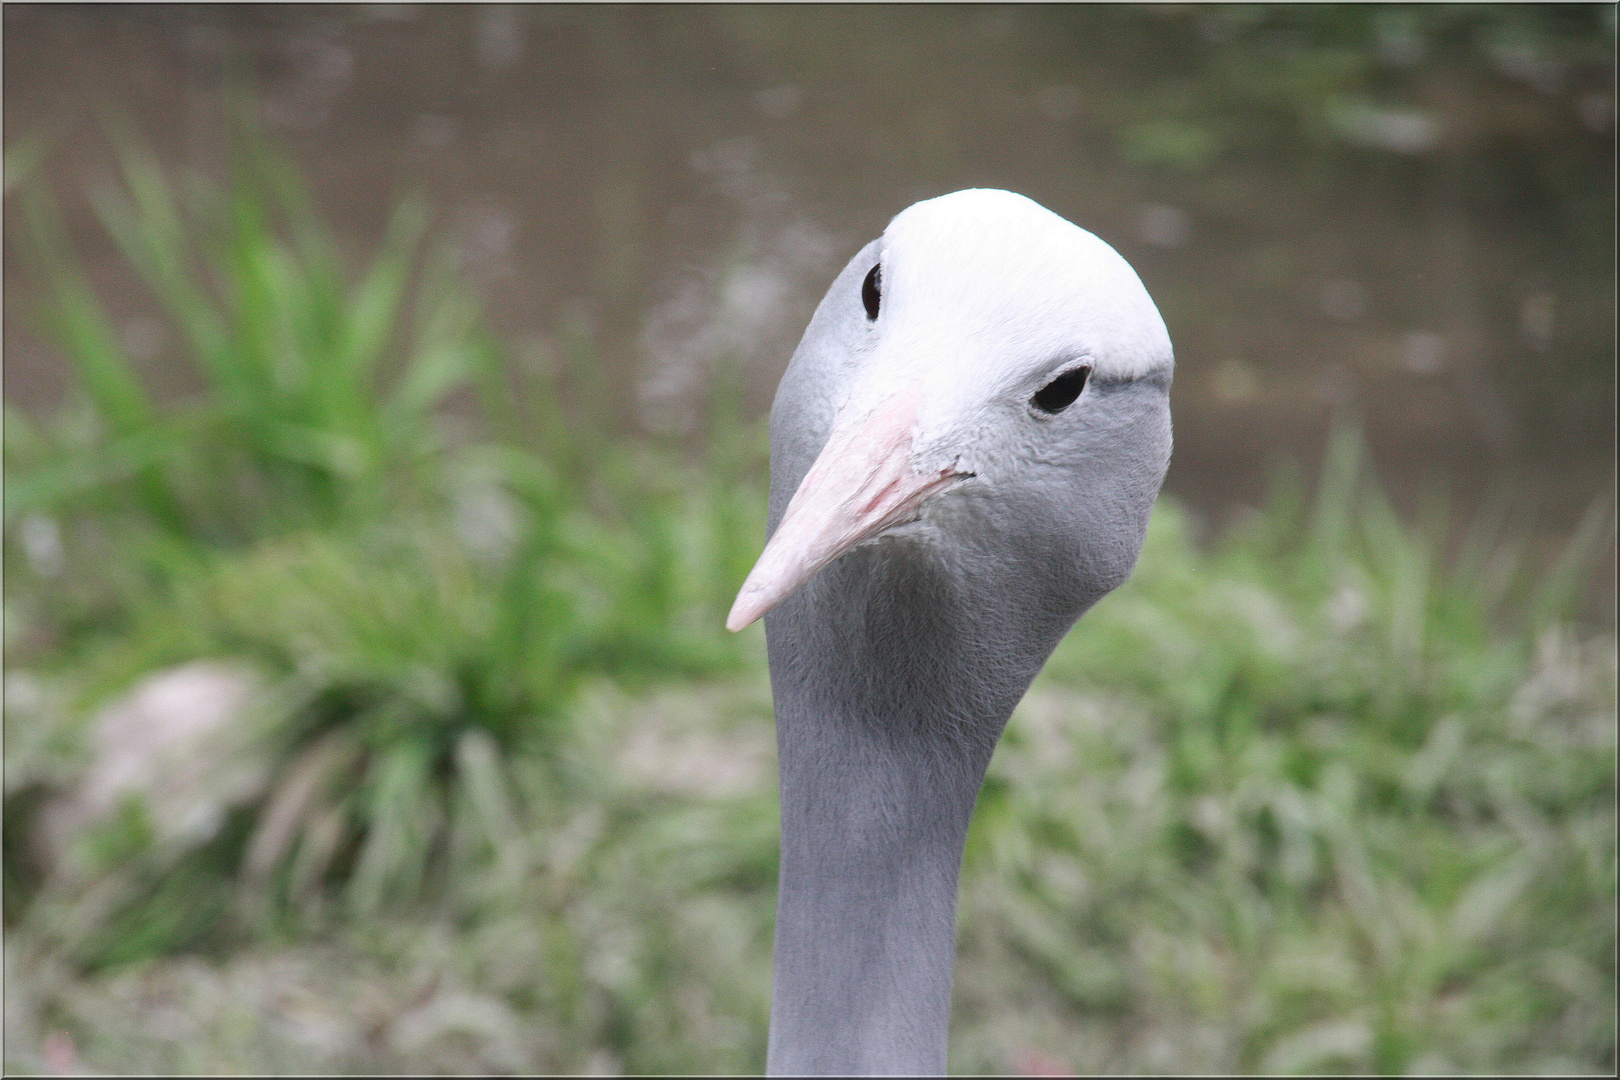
x=992 y=265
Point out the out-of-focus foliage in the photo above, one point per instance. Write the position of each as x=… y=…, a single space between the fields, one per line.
x=416 y=610
x=290 y=424
x=1310 y=810
x=1293 y=804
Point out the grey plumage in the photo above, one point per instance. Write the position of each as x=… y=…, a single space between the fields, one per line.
x=895 y=667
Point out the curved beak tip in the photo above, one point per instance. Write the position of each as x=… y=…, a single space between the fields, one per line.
x=740 y=617
x=754 y=599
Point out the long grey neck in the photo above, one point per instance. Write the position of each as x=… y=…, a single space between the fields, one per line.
x=866 y=913
x=888 y=707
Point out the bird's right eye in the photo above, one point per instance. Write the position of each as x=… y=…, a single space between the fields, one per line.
x=872 y=292
x=1062 y=391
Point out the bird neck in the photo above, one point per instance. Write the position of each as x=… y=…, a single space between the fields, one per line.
x=866 y=911
x=885 y=725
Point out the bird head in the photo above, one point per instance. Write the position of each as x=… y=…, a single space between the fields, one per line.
x=983 y=369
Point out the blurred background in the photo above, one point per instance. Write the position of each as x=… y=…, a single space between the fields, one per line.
x=384 y=443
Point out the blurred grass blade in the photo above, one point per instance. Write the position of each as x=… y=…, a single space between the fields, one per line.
x=298 y=794
x=375 y=302
x=442 y=360
x=22 y=157
x=272 y=179
x=1336 y=492
x=50 y=486
x=150 y=234
x=333 y=452
x=430 y=374
x=1484 y=536
x=478 y=761
x=401 y=819
x=1558 y=594
x=79 y=323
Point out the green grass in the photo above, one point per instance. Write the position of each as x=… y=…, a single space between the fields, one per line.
x=1297 y=805
x=294 y=425
x=402 y=597
x=1312 y=797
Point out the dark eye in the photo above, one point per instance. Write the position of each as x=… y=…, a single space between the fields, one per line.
x=1060 y=393
x=872 y=291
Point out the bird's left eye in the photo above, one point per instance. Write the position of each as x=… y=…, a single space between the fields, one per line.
x=872 y=291
x=1062 y=391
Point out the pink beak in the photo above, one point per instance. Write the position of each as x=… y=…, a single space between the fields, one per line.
x=863 y=482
